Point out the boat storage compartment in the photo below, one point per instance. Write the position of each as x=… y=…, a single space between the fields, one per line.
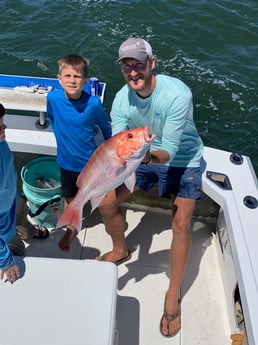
x=227 y=267
x=60 y=302
x=233 y=297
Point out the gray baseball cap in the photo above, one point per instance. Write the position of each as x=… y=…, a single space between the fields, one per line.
x=135 y=48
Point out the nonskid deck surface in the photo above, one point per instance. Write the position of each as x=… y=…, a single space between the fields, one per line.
x=144 y=279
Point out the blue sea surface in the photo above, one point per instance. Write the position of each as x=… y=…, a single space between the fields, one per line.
x=211 y=46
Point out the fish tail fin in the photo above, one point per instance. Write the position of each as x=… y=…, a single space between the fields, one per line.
x=72 y=216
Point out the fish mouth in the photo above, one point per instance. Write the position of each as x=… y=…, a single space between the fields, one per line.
x=147 y=136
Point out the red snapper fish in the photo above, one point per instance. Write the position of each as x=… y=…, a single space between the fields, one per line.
x=113 y=163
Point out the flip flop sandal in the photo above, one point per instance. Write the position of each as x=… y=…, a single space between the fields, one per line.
x=126 y=258
x=42 y=232
x=170 y=318
x=120 y=261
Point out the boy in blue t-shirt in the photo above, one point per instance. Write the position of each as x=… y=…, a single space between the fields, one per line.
x=73 y=115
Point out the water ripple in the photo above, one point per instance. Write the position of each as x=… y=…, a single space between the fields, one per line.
x=212 y=46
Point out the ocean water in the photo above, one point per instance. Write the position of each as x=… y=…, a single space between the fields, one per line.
x=211 y=46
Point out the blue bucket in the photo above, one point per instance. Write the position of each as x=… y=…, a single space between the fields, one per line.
x=42 y=188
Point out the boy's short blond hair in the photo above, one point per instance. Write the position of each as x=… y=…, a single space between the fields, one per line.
x=79 y=63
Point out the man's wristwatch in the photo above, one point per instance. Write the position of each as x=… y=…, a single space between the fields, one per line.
x=148 y=161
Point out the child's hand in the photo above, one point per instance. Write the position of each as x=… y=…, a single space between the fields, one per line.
x=12 y=273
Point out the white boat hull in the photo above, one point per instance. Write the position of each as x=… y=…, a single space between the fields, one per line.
x=229 y=180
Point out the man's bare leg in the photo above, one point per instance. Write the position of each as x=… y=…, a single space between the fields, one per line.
x=115 y=223
x=180 y=249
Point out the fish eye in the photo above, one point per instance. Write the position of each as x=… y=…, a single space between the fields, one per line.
x=129 y=136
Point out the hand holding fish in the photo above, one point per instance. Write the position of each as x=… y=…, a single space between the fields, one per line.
x=147 y=159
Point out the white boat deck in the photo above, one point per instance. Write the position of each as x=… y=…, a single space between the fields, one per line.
x=144 y=279
x=207 y=311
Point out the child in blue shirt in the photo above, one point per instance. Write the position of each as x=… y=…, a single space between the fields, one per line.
x=73 y=115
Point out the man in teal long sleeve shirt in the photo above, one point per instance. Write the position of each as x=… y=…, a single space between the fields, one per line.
x=173 y=163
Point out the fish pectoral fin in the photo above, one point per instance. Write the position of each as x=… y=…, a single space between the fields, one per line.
x=130 y=182
x=95 y=202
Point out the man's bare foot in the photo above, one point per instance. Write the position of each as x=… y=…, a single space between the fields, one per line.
x=66 y=240
x=170 y=322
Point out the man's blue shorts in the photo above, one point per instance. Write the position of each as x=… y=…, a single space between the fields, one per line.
x=182 y=182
